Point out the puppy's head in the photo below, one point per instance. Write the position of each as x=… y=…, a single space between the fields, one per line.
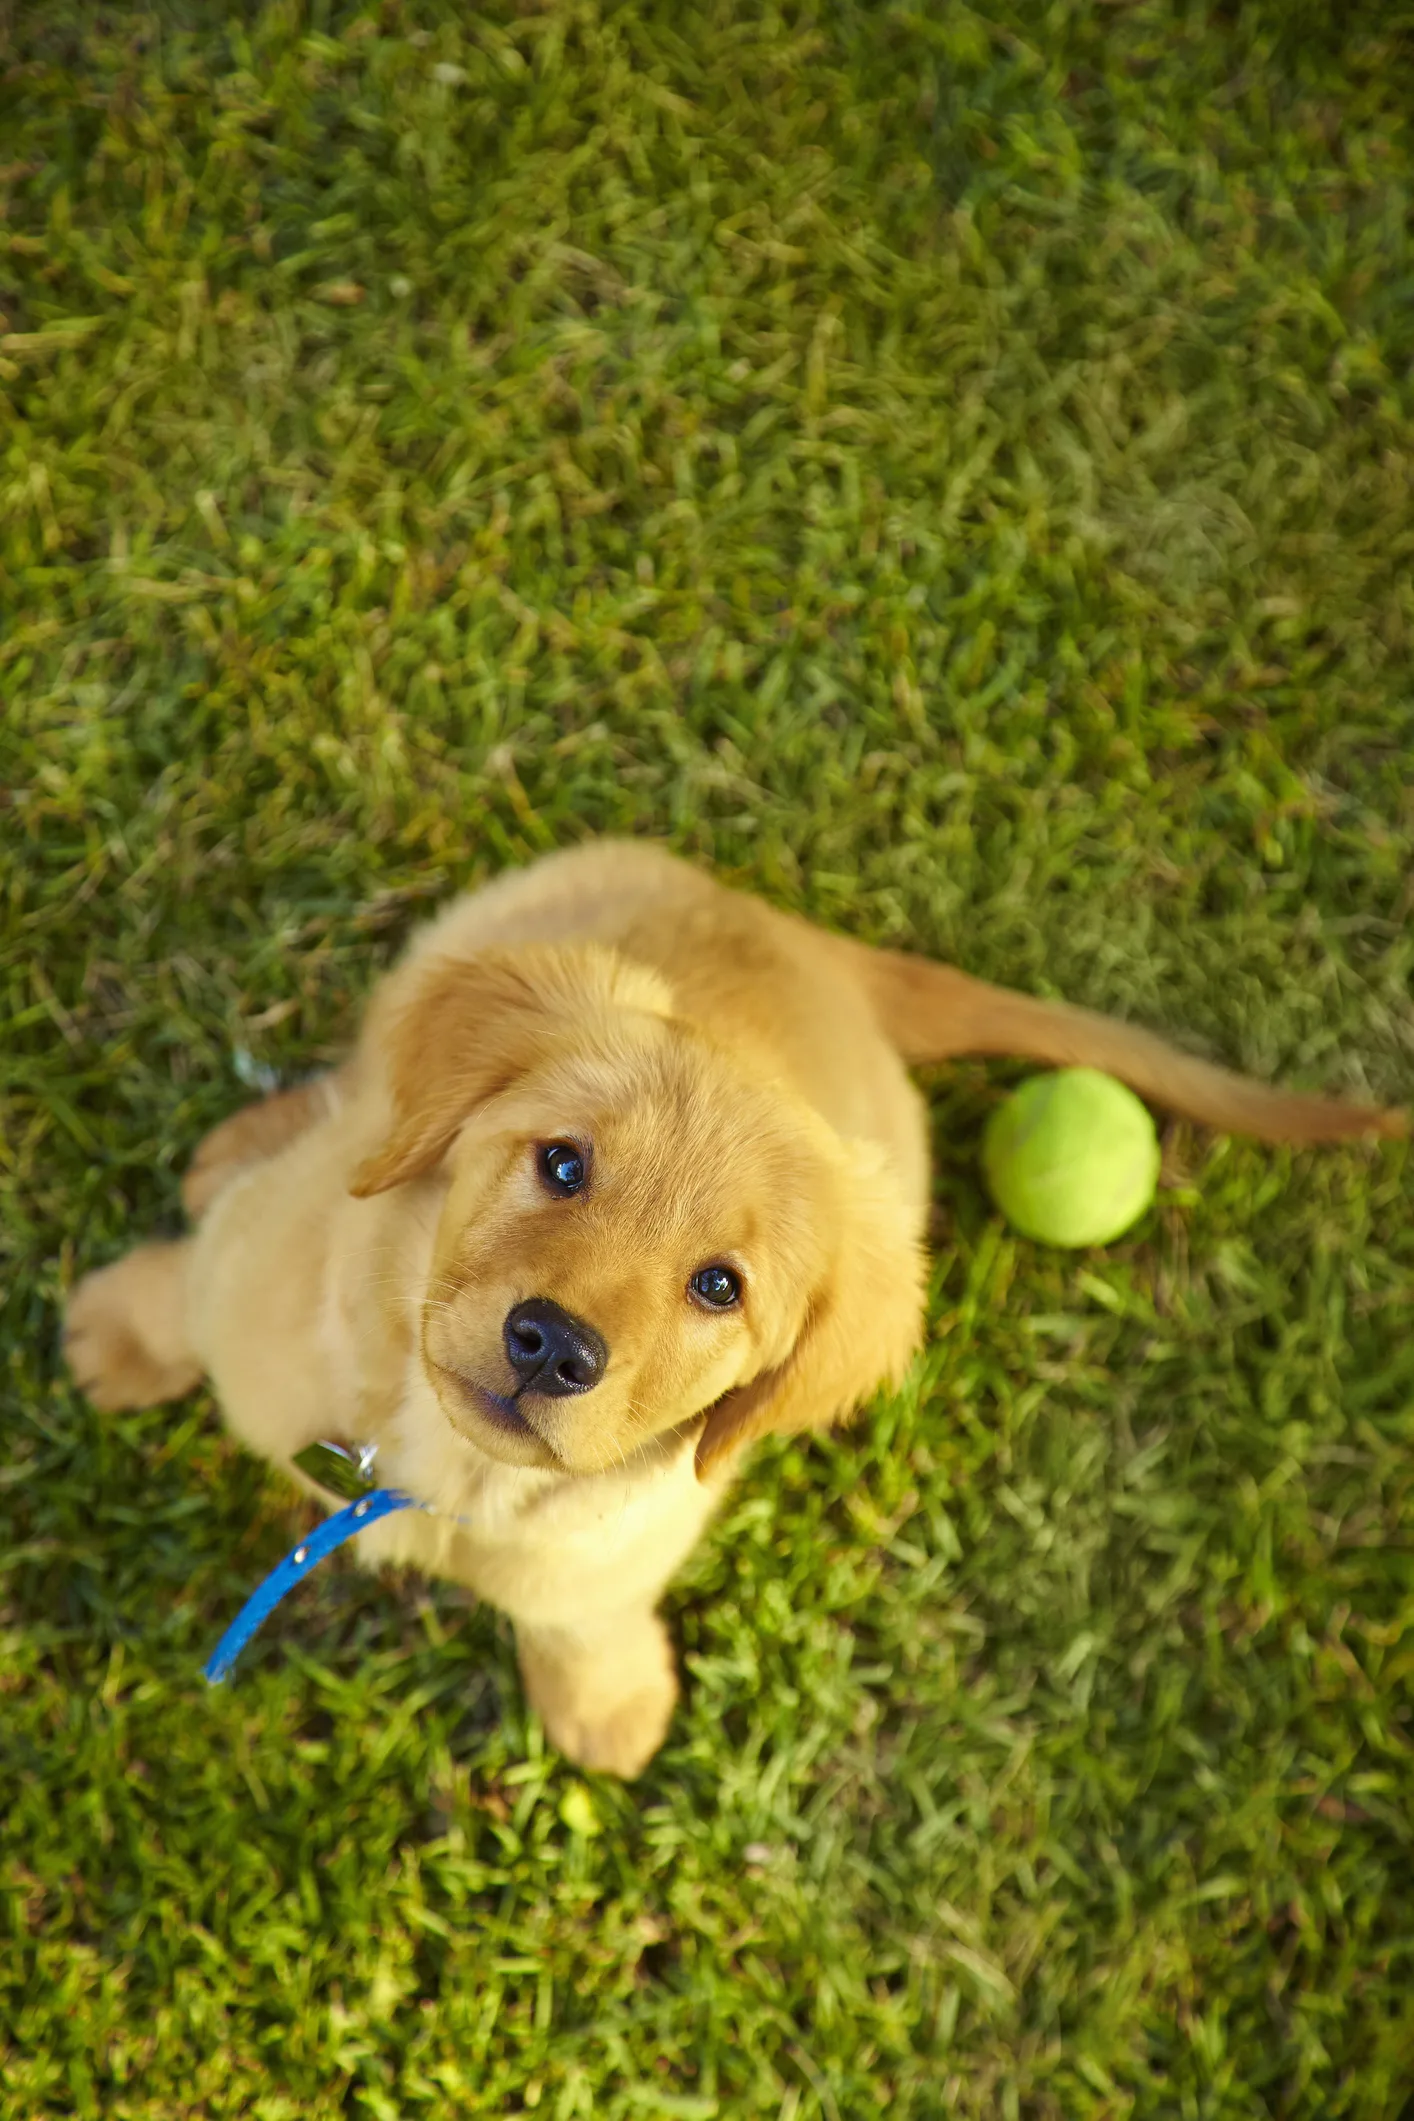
x=640 y=1230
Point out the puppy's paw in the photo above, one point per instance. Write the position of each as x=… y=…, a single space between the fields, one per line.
x=122 y=1333
x=616 y=1740
x=607 y=1710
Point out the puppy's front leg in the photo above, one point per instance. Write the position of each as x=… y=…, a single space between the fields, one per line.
x=125 y=1334
x=606 y=1698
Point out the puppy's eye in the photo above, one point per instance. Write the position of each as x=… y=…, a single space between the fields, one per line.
x=562 y=1167
x=717 y=1287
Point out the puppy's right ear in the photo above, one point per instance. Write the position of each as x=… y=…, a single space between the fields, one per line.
x=449 y=1033
x=860 y=1328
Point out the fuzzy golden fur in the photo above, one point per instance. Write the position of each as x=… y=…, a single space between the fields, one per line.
x=736 y=1082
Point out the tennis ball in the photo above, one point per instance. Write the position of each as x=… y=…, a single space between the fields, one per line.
x=1071 y=1158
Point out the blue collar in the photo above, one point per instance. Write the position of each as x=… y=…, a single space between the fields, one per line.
x=341 y=1471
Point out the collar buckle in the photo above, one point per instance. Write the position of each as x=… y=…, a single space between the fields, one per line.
x=342 y=1469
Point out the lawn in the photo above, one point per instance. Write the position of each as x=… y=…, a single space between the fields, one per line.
x=950 y=469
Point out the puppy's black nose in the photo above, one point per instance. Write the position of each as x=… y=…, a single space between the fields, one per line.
x=554 y=1353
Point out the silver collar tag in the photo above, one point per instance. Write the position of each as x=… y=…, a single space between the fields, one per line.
x=343 y=1469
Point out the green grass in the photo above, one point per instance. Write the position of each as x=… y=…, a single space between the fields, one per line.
x=952 y=470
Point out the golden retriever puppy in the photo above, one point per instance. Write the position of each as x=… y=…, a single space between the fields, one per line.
x=625 y=1170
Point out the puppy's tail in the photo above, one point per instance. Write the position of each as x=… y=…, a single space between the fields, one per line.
x=933 y=1012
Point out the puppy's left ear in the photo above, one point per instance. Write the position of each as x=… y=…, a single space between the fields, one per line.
x=860 y=1329
x=448 y=1033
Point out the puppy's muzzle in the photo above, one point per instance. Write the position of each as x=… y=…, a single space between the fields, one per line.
x=551 y=1352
